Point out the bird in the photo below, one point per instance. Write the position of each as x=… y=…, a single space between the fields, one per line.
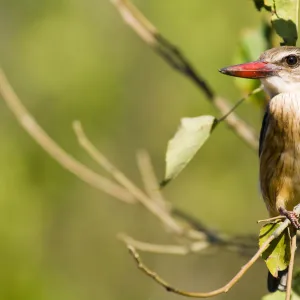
x=278 y=69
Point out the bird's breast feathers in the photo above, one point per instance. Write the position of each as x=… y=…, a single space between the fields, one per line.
x=280 y=153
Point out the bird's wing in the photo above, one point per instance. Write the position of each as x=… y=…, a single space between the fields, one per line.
x=263 y=131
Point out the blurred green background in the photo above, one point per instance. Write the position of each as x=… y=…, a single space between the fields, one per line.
x=76 y=59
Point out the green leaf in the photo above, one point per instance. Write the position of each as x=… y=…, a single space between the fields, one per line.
x=274 y=296
x=267 y=4
x=279 y=296
x=277 y=255
x=189 y=138
x=284 y=18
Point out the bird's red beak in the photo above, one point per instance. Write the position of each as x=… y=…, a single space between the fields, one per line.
x=253 y=70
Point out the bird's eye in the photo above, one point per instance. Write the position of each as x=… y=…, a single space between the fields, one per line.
x=291 y=60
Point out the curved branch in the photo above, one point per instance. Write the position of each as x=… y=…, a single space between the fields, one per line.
x=216 y=292
x=154 y=248
x=291 y=266
x=30 y=125
x=173 y=56
x=196 y=232
x=149 y=179
x=161 y=213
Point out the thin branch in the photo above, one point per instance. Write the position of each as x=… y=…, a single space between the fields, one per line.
x=154 y=248
x=199 y=237
x=194 y=247
x=236 y=105
x=149 y=178
x=166 y=213
x=245 y=245
x=173 y=56
x=271 y=219
x=291 y=266
x=152 y=188
x=211 y=235
x=216 y=292
x=29 y=124
x=179 y=62
x=238 y=126
x=163 y=215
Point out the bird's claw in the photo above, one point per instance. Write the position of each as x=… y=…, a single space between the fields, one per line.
x=292 y=216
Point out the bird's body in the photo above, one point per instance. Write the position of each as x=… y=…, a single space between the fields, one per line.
x=279 y=144
x=280 y=153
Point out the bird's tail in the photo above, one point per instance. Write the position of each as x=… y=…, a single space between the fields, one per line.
x=277 y=283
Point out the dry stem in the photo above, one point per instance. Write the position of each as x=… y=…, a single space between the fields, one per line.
x=216 y=292
x=149 y=179
x=155 y=209
x=271 y=219
x=193 y=247
x=291 y=266
x=30 y=125
x=197 y=238
x=201 y=239
x=154 y=248
x=173 y=56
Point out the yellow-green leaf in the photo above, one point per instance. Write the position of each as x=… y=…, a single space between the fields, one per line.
x=279 y=296
x=277 y=255
x=284 y=18
x=191 y=135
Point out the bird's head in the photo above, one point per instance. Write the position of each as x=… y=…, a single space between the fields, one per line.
x=278 y=69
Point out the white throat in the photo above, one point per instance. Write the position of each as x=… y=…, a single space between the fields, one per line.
x=275 y=85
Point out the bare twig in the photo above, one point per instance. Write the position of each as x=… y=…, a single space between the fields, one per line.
x=163 y=215
x=238 y=126
x=216 y=292
x=152 y=189
x=197 y=237
x=149 y=179
x=271 y=219
x=154 y=248
x=193 y=247
x=30 y=125
x=211 y=236
x=236 y=105
x=173 y=56
x=291 y=266
x=85 y=143
x=202 y=236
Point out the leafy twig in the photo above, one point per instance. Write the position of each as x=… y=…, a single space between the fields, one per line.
x=30 y=125
x=165 y=213
x=197 y=236
x=235 y=106
x=173 y=56
x=221 y=290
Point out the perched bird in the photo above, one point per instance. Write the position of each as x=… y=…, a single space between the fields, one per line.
x=279 y=145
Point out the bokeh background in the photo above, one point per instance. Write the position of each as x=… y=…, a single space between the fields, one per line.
x=76 y=59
